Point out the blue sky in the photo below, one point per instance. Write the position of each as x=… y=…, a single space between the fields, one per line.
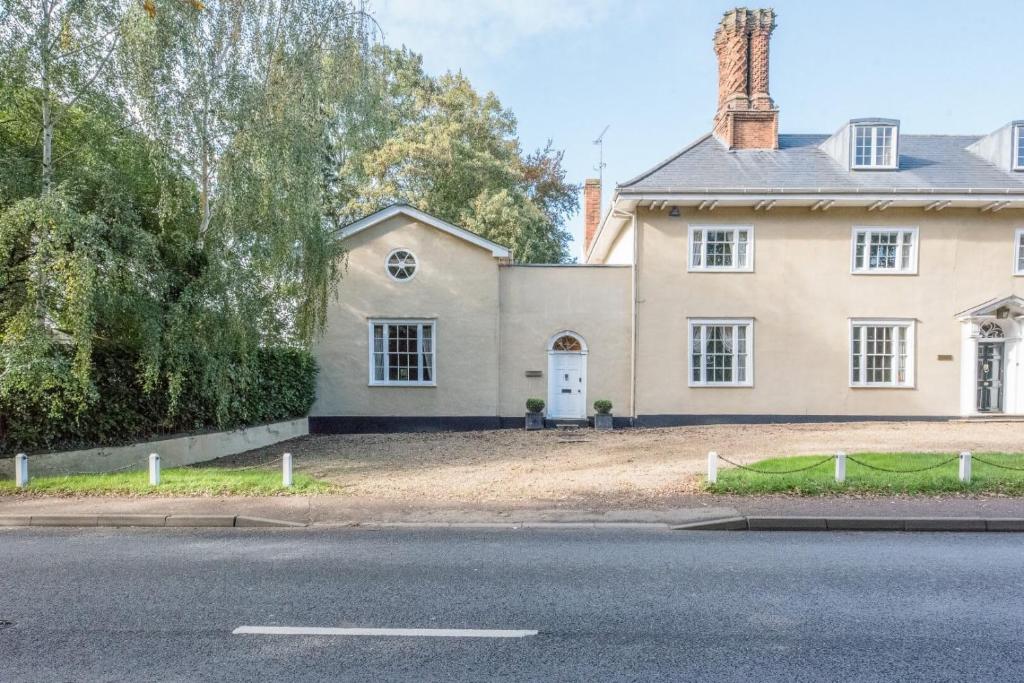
x=567 y=68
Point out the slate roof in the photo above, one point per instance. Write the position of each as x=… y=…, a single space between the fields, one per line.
x=927 y=163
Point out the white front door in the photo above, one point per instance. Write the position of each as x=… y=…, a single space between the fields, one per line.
x=567 y=386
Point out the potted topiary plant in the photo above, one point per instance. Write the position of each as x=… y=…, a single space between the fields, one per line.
x=534 y=414
x=602 y=414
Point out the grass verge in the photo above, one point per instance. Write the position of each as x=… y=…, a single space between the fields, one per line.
x=182 y=481
x=864 y=480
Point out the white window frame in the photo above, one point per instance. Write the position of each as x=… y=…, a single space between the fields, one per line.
x=415 y=270
x=1018 y=136
x=748 y=323
x=911 y=340
x=867 y=231
x=874 y=146
x=1018 y=251
x=748 y=267
x=421 y=323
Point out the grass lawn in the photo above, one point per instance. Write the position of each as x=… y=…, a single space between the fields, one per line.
x=860 y=479
x=182 y=481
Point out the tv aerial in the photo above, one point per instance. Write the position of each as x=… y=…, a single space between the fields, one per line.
x=600 y=154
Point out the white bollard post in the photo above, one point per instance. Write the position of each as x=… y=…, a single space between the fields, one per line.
x=21 y=470
x=712 y=467
x=965 y=467
x=154 y=469
x=840 y=467
x=286 y=469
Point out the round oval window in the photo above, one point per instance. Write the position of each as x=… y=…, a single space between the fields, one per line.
x=401 y=264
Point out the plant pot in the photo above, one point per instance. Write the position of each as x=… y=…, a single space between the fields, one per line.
x=534 y=421
x=603 y=421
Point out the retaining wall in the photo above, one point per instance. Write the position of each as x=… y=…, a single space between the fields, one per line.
x=174 y=452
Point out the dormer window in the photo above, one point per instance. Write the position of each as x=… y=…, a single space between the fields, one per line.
x=1018 y=147
x=874 y=146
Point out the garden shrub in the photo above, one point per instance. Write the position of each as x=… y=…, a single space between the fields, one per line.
x=271 y=385
x=535 y=405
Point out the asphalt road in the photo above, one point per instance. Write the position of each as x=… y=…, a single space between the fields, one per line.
x=161 y=605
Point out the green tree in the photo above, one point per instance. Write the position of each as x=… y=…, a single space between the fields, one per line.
x=241 y=95
x=61 y=52
x=440 y=145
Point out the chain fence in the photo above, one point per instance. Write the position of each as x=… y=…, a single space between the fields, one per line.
x=793 y=471
x=993 y=464
x=965 y=474
x=911 y=471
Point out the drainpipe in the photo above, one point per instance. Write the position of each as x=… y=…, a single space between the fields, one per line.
x=635 y=313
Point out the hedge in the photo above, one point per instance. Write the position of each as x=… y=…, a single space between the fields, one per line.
x=272 y=384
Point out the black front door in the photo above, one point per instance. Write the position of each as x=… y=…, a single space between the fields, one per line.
x=990 y=377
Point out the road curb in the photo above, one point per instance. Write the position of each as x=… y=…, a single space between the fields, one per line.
x=736 y=523
x=793 y=523
x=140 y=520
x=504 y=525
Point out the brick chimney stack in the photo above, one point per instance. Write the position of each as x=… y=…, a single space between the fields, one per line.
x=747 y=117
x=591 y=211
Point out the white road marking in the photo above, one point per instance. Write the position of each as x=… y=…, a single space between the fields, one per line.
x=400 y=632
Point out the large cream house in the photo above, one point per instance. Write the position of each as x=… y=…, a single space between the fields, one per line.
x=751 y=276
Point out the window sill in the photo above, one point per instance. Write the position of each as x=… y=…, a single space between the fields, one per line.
x=721 y=385
x=719 y=270
x=874 y=168
x=882 y=386
x=902 y=273
x=401 y=384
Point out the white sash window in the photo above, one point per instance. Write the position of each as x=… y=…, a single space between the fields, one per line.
x=721 y=353
x=881 y=353
x=402 y=353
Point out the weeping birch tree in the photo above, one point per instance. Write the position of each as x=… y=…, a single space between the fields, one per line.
x=61 y=52
x=242 y=95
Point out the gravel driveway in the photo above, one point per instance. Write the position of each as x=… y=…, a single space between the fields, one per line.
x=625 y=467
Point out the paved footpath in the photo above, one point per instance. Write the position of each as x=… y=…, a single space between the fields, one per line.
x=508 y=604
x=345 y=510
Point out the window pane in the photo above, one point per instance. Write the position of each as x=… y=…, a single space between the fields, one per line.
x=695 y=358
x=901 y=353
x=741 y=249
x=401 y=264
x=378 y=353
x=862 y=147
x=718 y=353
x=741 y=353
x=403 y=364
x=1020 y=252
x=883 y=145
x=882 y=252
x=855 y=351
x=719 y=248
x=698 y=247
x=878 y=354
x=1020 y=146
x=906 y=250
x=427 y=352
